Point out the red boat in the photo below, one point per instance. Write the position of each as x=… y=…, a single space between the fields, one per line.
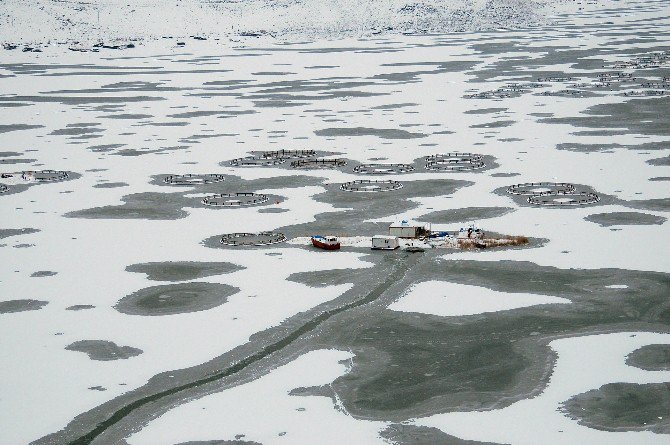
x=326 y=242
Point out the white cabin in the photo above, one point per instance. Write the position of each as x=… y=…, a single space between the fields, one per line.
x=408 y=229
x=384 y=242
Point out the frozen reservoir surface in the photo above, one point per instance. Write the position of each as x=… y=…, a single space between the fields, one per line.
x=164 y=165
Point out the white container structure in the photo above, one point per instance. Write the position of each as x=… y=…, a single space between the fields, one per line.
x=385 y=242
x=408 y=229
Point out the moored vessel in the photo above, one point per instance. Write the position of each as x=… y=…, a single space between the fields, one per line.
x=326 y=242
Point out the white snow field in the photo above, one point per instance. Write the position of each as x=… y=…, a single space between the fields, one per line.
x=264 y=412
x=375 y=81
x=453 y=300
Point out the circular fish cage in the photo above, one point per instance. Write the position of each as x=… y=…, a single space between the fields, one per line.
x=564 y=199
x=288 y=154
x=256 y=161
x=190 y=179
x=540 y=188
x=454 y=161
x=3 y=188
x=235 y=199
x=318 y=163
x=45 y=175
x=252 y=239
x=555 y=79
x=365 y=185
x=383 y=169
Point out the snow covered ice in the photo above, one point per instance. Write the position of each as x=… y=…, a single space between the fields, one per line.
x=125 y=319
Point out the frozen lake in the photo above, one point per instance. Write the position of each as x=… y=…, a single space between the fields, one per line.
x=126 y=320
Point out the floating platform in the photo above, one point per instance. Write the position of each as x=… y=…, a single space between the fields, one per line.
x=564 y=199
x=240 y=239
x=383 y=169
x=318 y=163
x=540 y=188
x=365 y=185
x=256 y=161
x=552 y=194
x=240 y=199
x=45 y=175
x=288 y=154
x=454 y=162
x=193 y=179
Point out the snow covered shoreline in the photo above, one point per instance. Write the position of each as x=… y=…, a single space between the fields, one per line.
x=40 y=22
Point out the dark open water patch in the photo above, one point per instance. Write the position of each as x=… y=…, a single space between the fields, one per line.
x=77 y=100
x=332 y=277
x=105 y=147
x=110 y=185
x=43 y=273
x=103 y=350
x=394 y=106
x=589 y=148
x=128 y=116
x=272 y=73
x=383 y=133
x=179 y=298
x=485 y=111
x=148 y=205
x=161 y=124
x=403 y=434
x=117 y=71
x=407 y=365
x=273 y=210
x=665 y=161
x=605 y=133
x=132 y=152
x=17 y=161
x=182 y=270
x=654 y=205
x=494 y=124
x=623 y=407
x=76 y=131
x=464 y=215
x=650 y=358
x=6 y=233
x=9 y=154
x=204 y=113
x=79 y=307
x=13 y=105
x=504 y=175
x=643 y=116
x=625 y=219
x=121 y=87
x=164 y=206
x=17 y=127
x=195 y=138
x=10 y=306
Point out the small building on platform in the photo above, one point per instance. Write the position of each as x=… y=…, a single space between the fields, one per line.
x=385 y=242
x=408 y=229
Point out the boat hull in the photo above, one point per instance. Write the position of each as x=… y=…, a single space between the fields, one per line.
x=325 y=245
